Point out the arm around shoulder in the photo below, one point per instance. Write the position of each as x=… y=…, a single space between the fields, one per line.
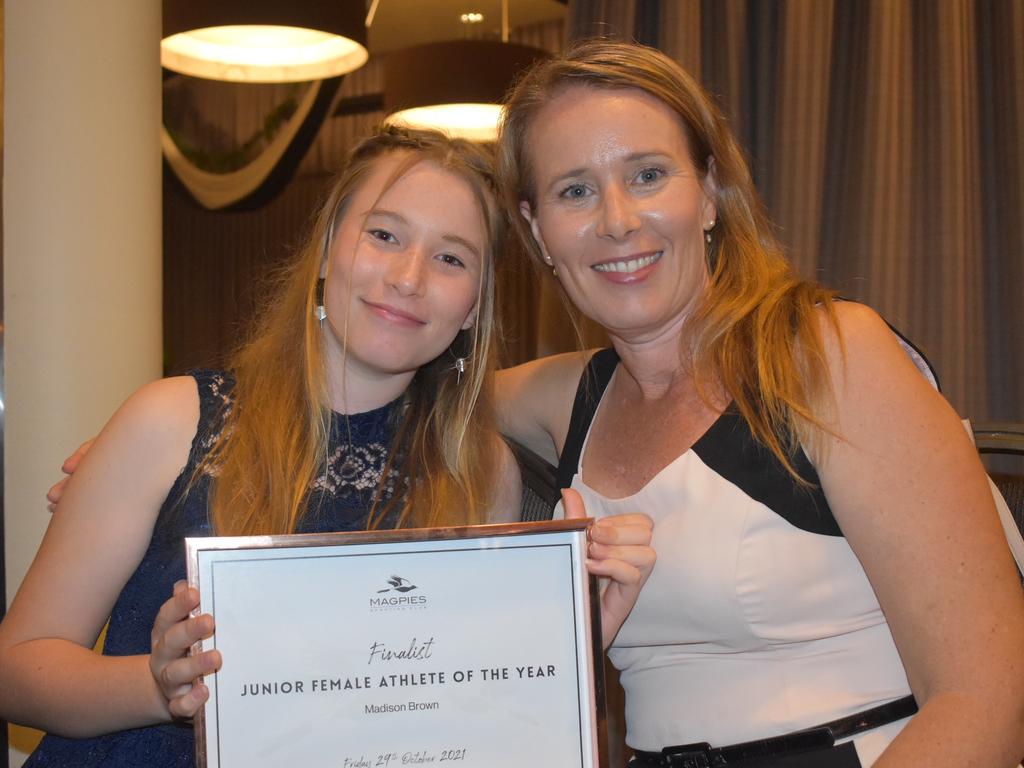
x=909 y=492
x=98 y=534
x=506 y=506
x=534 y=401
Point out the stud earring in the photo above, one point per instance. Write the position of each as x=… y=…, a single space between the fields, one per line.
x=707 y=231
x=320 y=311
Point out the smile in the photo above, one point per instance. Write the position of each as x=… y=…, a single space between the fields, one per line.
x=394 y=314
x=628 y=266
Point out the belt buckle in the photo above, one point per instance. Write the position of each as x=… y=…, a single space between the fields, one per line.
x=687 y=756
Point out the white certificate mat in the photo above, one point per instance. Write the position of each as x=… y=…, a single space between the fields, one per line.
x=461 y=646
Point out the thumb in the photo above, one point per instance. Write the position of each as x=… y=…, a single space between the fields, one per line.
x=573 y=505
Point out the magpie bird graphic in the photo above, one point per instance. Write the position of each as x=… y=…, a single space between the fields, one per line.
x=398 y=584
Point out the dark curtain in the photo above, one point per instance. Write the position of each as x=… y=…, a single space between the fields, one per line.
x=885 y=138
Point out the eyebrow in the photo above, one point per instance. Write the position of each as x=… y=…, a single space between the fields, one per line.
x=446 y=236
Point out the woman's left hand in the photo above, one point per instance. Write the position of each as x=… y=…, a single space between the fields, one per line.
x=620 y=553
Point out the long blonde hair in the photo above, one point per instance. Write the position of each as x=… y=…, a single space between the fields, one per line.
x=274 y=442
x=756 y=330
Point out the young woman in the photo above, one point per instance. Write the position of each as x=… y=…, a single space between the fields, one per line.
x=361 y=401
x=827 y=544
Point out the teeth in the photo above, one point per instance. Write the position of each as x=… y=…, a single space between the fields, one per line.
x=628 y=266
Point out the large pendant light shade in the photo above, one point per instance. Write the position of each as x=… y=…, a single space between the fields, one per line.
x=456 y=86
x=263 y=41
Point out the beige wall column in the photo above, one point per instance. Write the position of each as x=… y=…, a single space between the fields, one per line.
x=82 y=239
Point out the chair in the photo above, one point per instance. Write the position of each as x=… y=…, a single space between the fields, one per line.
x=1007 y=439
x=540 y=488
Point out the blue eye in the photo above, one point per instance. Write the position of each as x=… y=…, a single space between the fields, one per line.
x=574 y=192
x=650 y=175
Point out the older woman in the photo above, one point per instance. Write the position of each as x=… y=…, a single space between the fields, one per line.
x=828 y=552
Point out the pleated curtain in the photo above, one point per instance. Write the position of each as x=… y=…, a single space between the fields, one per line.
x=886 y=140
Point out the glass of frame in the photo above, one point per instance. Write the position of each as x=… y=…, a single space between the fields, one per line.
x=475 y=646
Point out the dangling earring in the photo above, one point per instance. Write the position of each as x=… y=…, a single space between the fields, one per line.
x=460 y=367
x=707 y=232
x=320 y=311
x=461 y=360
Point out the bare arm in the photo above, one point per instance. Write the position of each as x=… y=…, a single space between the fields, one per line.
x=508 y=493
x=909 y=492
x=49 y=677
x=534 y=401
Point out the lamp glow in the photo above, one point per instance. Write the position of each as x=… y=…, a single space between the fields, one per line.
x=258 y=53
x=475 y=122
x=455 y=86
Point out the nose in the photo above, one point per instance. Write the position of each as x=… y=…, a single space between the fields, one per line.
x=618 y=216
x=407 y=272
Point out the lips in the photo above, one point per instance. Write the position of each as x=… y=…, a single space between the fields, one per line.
x=628 y=266
x=394 y=314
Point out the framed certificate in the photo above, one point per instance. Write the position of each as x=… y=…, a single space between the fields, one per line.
x=476 y=647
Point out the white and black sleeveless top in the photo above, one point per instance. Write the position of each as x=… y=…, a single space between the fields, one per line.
x=758 y=619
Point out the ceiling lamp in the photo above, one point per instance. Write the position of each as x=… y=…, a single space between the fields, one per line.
x=455 y=86
x=263 y=41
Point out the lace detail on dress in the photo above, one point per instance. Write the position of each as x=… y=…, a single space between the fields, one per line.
x=216 y=401
x=357 y=451
x=356 y=469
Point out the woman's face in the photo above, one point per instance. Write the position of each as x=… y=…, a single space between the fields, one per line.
x=404 y=271
x=620 y=211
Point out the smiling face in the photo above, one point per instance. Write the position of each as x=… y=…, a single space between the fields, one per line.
x=402 y=277
x=620 y=209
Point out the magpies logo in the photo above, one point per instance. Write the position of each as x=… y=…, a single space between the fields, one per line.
x=398 y=584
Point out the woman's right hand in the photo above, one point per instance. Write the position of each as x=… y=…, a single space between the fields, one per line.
x=175 y=630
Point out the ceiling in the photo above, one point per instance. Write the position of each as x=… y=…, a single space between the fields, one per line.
x=401 y=23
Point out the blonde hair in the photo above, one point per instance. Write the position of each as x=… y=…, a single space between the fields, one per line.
x=274 y=442
x=756 y=330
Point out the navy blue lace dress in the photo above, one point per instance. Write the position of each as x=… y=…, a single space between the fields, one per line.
x=341 y=496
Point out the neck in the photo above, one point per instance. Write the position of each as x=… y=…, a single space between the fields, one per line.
x=656 y=365
x=354 y=389
x=654 y=360
x=357 y=394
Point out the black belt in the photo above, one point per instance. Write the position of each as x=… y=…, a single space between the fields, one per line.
x=703 y=755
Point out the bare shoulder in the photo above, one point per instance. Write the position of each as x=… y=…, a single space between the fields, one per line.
x=140 y=451
x=163 y=404
x=548 y=371
x=856 y=329
x=535 y=399
x=891 y=425
x=114 y=496
x=867 y=363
